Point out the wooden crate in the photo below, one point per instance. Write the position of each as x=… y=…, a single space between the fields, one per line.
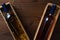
x=53 y=24
x=22 y=35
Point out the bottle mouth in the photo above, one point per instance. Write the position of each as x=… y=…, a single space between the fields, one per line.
x=52 y=10
x=5 y=9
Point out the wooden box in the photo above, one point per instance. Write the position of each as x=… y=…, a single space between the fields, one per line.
x=52 y=25
x=12 y=21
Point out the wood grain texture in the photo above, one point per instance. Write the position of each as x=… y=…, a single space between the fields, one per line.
x=29 y=12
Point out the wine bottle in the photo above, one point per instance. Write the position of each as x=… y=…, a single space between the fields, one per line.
x=14 y=23
x=47 y=20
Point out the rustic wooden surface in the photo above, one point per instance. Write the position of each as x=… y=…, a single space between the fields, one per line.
x=29 y=12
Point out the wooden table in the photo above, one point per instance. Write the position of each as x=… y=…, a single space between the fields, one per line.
x=29 y=12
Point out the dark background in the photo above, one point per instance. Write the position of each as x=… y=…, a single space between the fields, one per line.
x=29 y=12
